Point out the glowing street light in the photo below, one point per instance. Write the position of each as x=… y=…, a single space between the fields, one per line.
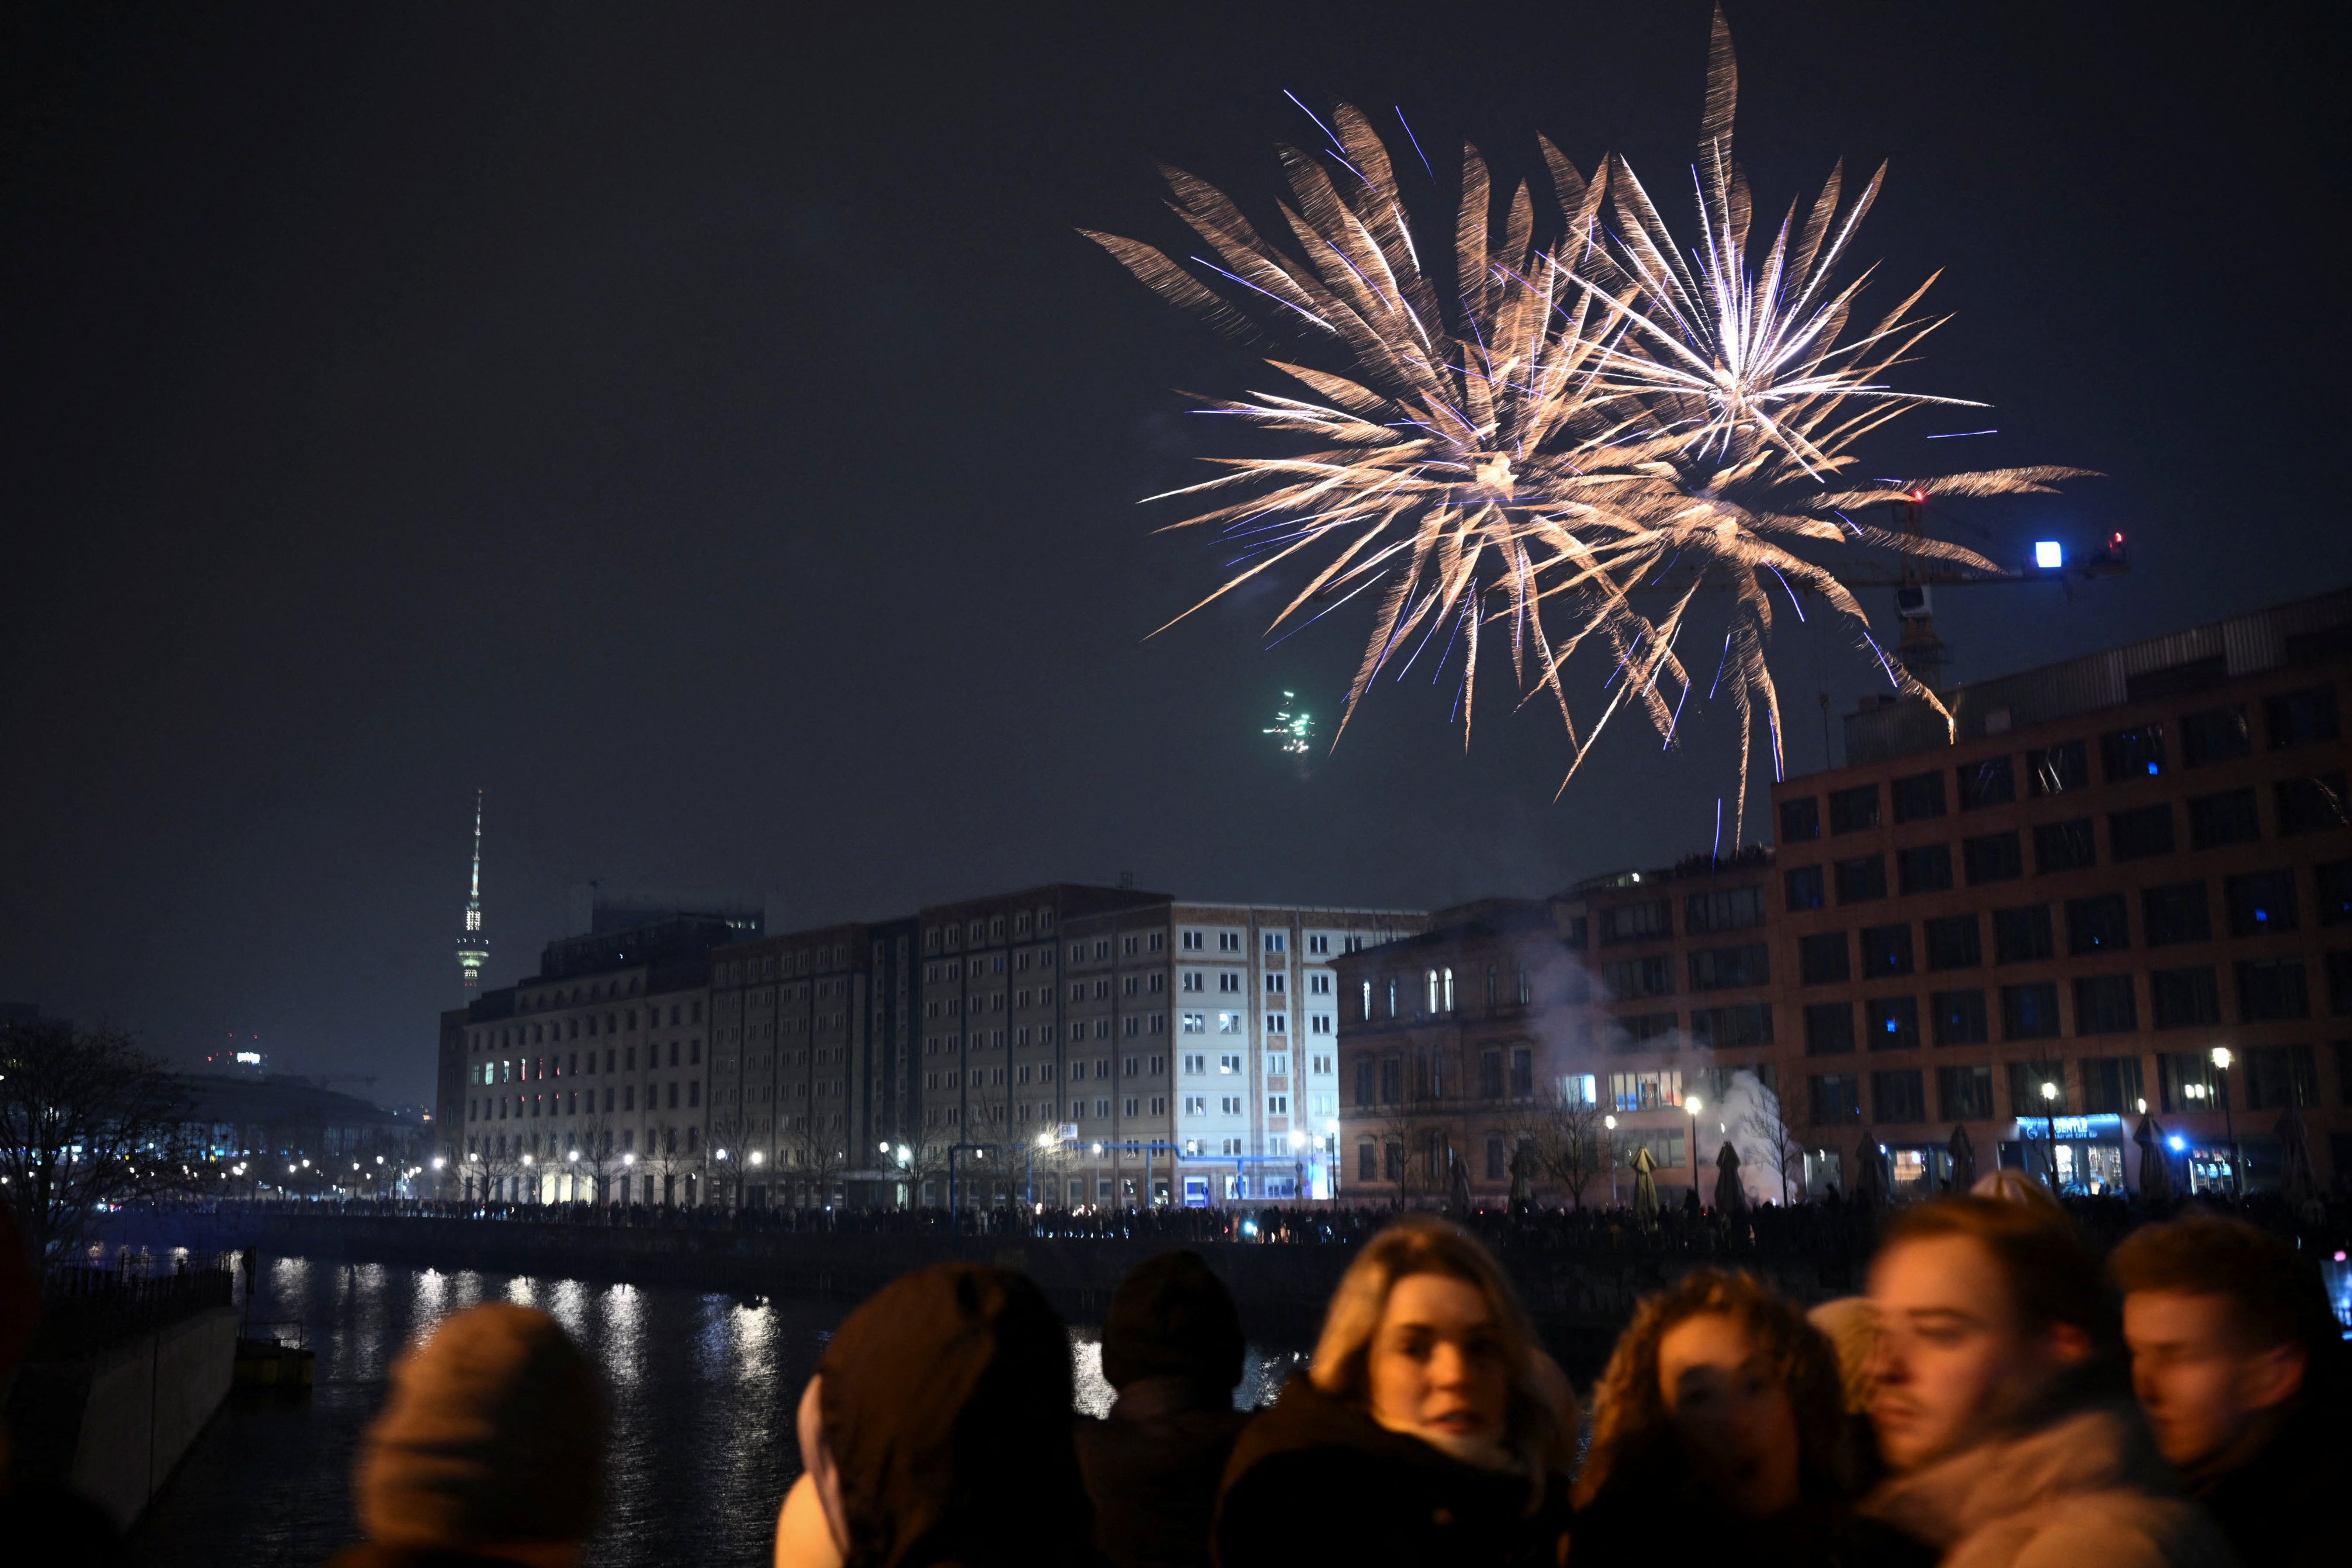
x=2221 y=1059
x=2050 y=1115
x=1693 y=1104
x=1609 y=1122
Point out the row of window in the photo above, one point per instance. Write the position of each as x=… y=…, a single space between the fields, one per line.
x=2274 y=1076
x=525 y=1069
x=2267 y=991
x=1437 y=992
x=571 y=1028
x=1703 y=914
x=951 y=933
x=567 y=1103
x=2216 y=734
x=2314 y=804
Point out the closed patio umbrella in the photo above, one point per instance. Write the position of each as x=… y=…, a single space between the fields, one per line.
x=1964 y=1159
x=2155 y=1161
x=1646 y=1186
x=2297 y=1181
x=1870 y=1173
x=1730 y=1193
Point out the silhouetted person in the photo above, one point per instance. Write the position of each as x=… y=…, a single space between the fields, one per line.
x=2233 y=1346
x=489 y=1450
x=1171 y=1346
x=937 y=1432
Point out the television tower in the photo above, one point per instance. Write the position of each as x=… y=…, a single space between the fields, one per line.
x=473 y=948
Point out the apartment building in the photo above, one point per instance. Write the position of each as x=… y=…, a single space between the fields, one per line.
x=2043 y=930
x=587 y=1082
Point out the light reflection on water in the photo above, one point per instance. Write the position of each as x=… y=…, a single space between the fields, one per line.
x=703 y=1385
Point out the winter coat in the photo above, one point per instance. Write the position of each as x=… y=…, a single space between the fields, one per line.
x=1620 y=1529
x=1315 y=1480
x=2279 y=1503
x=2086 y=1486
x=1152 y=1467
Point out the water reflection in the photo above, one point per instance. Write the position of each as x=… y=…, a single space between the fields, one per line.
x=704 y=1388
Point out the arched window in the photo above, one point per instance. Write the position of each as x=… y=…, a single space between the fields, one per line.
x=1449 y=990
x=1433 y=991
x=1393 y=998
x=1490 y=985
x=1368 y=1001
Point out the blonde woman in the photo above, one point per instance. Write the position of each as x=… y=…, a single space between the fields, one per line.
x=1430 y=1427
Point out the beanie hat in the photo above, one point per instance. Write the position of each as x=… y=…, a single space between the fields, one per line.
x=494 y=1433
x=1172 y=1317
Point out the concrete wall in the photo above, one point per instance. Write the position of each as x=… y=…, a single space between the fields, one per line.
x=143 y=1405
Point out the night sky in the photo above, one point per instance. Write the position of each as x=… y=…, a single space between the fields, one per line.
x=702 y=429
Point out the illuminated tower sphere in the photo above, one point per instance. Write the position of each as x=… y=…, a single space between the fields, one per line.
x=473 y=948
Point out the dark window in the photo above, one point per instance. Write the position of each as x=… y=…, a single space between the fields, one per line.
x=1920 y=795
x=2259 y=903
x=2129 y=754
x=1490 y=1075
x=1523 y=1072
x=1900 y=1095
x=1394 y=1166
x=2314 y=805
x=1725 y=909
x=1822 y=958
x=1990 y=782
x=1631 y=977
x=1714 y=968
x=2278 y=1076
x=1368 y=1162
x=2105 y=1004
x=1364 y=1071
x=1800 y=819
x=2065 y=846
x=1837 y=1099
x=1637 y=922
x=2271 y=988
x=1891 y=1023
x=2097 y=924
x=1964 y=1093
x=1996 y=857
x=1804 y=887
x=1953 y=943
x=2340 y=995
x=1732 y=1028
x=1886 y=950
x=2021 y=935
x=2332 y=880
x=2216 y=735
x=2054 y=769
x=2137 y=834
x=2186 y=1081
x=2028 y=1012
x=1960 y=1017
x=1493 y=1159
x=2184 y=998
x=1923 y=868
x=1391 y=1080
x=1641 y=1031
x=1862 y=878
x=1829 y=1028
x=2174 y=913
x=2224 y=819
x=1851 y=810
x=2296 y=718
x=2111 y=1084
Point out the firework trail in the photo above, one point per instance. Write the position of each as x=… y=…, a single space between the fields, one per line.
x=1517 y=450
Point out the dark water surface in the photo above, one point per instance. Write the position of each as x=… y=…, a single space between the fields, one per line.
x=703 y=1389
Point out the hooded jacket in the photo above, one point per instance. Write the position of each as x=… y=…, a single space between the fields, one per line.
x=1315 y=1480
x=946 y=1402
x=2086 y=1486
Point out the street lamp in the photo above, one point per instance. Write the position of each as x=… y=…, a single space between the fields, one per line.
x=2221 y=1059
x=1609 y=1122
x=2050 y=1115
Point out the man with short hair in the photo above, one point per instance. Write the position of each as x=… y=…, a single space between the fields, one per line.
x=2230 y=1335
x=1999 y=1403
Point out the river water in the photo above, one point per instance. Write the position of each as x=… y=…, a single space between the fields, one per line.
x=703 y=1389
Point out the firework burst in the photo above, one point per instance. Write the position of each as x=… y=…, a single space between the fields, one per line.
x=1559 y=446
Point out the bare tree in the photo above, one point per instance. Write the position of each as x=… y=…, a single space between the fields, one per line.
x=86 y=1120
x=1570 y=1143
x=815 y=1153
x=1767 y=1136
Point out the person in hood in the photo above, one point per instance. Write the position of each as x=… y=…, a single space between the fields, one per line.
x=490 y=1450
x=2001 y=1406
x=1724 y=1410
x=2232 y=1345
x=1171 y=1346
x=937 y=1433
x=1428 y=1428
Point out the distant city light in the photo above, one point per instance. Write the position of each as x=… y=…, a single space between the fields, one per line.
x=2049 y=554
x=248 y=1058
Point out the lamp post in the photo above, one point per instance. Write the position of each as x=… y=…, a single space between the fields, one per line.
x=2221 y=1059
x=2050 y=1115
x=1693 y=1105
x=1609 y=1124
